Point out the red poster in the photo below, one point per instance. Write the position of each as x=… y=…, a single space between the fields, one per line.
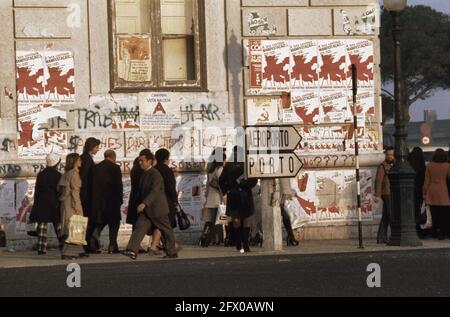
x=255 y=62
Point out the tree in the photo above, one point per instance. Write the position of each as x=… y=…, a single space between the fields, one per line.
x=425 y=53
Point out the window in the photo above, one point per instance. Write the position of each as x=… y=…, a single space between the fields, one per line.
x=156 y=44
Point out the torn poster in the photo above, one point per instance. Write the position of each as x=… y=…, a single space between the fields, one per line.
x=331 y=195
x=7 y=195
x=34 y=141
x=121 y=109
x=24 y=203
x=191 y=194
x=262 y=110
x=134 y=58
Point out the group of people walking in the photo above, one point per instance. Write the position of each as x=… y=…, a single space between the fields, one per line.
x=431 y=190
x=95 y=191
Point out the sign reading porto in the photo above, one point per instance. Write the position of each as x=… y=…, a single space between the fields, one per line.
x=269 y=152
x=273 y=165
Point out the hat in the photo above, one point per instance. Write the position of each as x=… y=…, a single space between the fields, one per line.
x=52 y=160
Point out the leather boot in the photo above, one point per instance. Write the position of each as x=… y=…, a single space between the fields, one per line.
x=205 y=238
x=238 y=238
x=245 y=241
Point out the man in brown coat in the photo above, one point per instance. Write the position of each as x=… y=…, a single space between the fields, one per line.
x=153 y=211
x=383 y=191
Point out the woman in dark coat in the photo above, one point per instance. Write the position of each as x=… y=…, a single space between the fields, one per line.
x=417 y=161
x=46 y=204
x=240 y=205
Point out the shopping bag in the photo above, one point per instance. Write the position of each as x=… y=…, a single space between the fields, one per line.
x=183 y=220
x=297 y=215
x=77 y=230
x=221 y=217
x=429 y=221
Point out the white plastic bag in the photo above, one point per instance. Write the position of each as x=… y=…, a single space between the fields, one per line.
x=77 y=230
x=429 y=223
x=297 y=215
x=221 y=217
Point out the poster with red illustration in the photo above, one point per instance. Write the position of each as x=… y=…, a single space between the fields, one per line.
x=304 y=64
x=276 y=66
x=24 y=204
x=334 y=106
x=361 y=54
x=305 y=107
x=334 y=64
x=34 y=141
x=365 y=105
x=46 y=76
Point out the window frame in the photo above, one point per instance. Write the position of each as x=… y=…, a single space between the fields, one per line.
x=157 y=56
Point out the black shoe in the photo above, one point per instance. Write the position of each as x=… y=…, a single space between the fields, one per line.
x=83 y=255
x=441 y=236
x=292 y=242
x=130 y=254
x=42 y=253
x=173 y=256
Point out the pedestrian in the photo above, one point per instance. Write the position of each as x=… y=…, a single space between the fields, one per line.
x=435 y=192
x=286 y=195
x=153 y=209
x=107 y=200
x=417 y=161
x=162 y=157
x=69 y=188
x=383 y=191
x=46 y=204
x=213 y=195
x=91 y=148
x=240 y=204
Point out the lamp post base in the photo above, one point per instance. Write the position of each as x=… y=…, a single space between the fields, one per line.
x=403 y=227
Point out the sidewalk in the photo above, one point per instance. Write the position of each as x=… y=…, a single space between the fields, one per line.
x=31 y=259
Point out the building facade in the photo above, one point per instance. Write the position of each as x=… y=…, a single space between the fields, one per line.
x=187 y=75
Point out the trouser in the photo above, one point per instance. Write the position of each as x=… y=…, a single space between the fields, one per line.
x=440 y=218
x=144 y=224
x=385 y=220
x=94 y=241
x=42 y=230
x=89 y=232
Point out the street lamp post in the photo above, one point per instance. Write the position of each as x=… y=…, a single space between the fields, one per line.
x=403 y=228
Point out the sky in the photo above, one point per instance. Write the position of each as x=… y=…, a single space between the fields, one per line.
x=440 y=101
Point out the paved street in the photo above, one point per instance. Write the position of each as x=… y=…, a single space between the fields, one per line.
x=422 y=272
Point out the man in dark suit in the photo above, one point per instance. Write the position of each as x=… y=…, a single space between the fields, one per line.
x=153 y=211
x=107 y=198
x=91 y=148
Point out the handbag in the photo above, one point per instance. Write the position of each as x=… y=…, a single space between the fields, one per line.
x=221 y=217
x=183 y=221
x=77 y=230
x=426 y=215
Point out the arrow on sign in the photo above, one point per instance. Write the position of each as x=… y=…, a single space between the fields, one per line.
x=272 y=138
x=280 y=165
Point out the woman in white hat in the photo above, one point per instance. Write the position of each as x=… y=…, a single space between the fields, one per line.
x=46 y=205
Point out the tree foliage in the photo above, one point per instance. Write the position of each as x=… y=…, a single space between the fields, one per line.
x=425 y=52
